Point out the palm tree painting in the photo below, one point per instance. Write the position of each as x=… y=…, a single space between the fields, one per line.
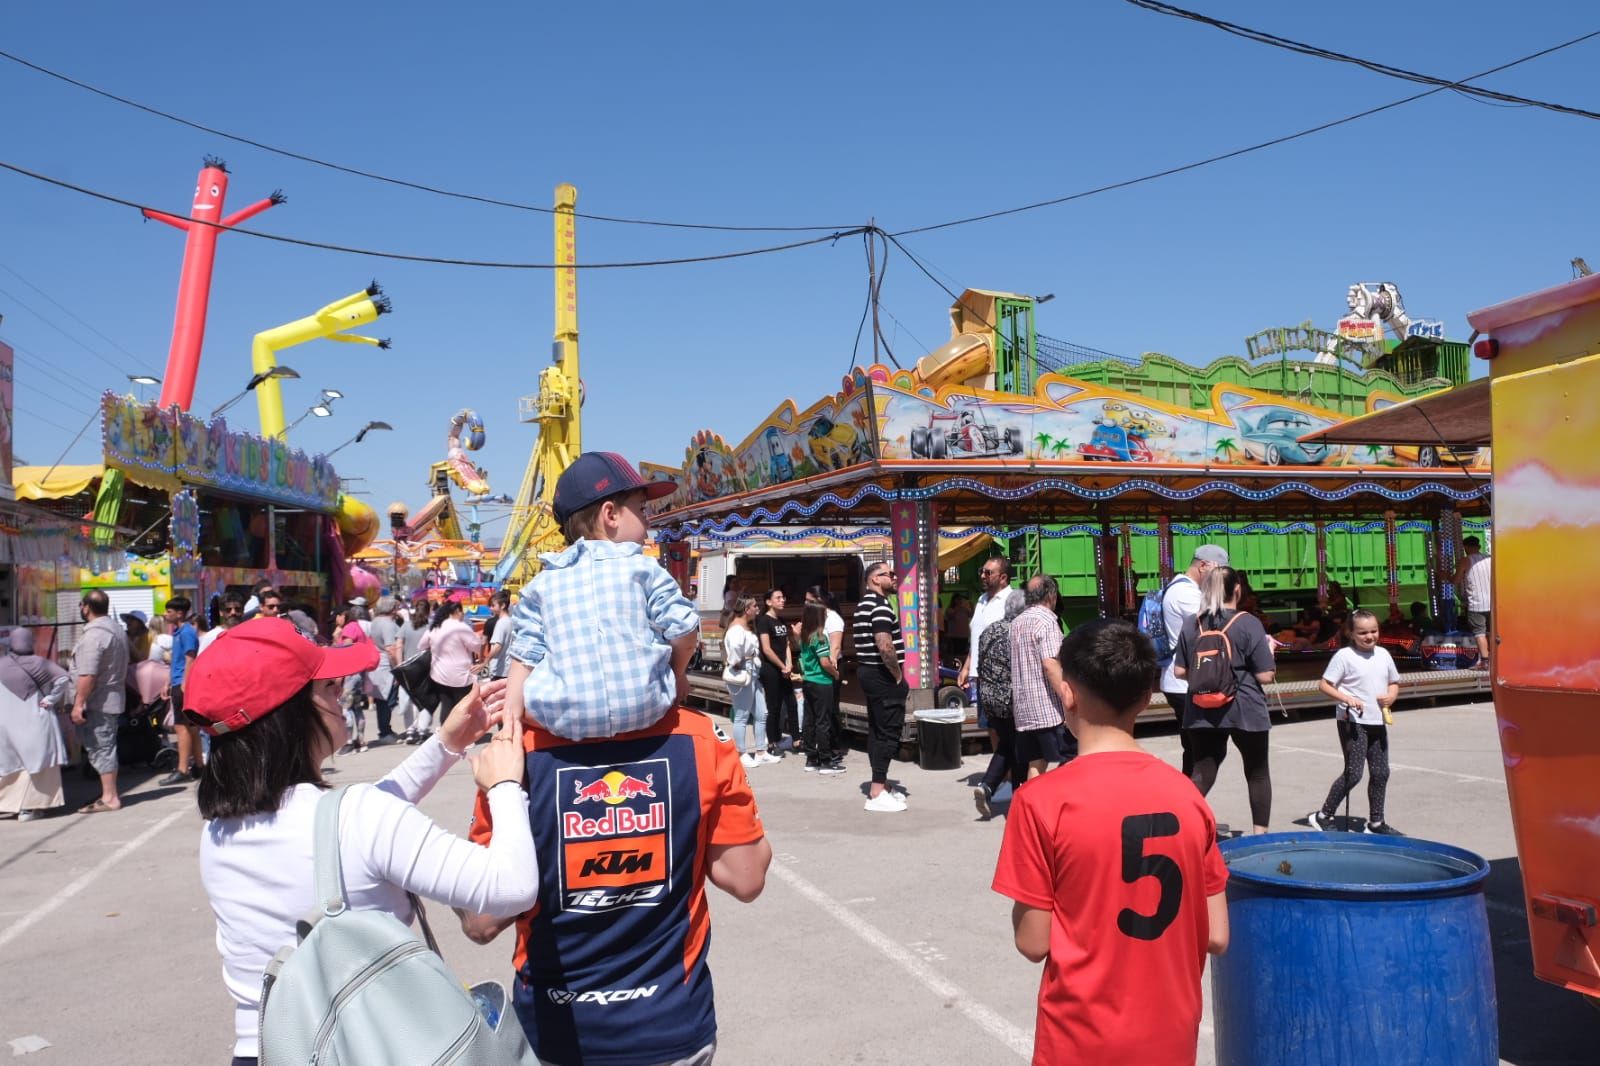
x=1225 y=449
x=1373 y=451
x=1042 y=442
x=1061 y=445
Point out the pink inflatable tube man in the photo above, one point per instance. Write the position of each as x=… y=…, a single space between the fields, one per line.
x=194 y=284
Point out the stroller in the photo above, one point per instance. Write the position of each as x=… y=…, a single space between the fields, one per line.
x=141 y=738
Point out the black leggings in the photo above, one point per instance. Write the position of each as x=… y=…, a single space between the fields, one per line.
x=778 y=688
x=1210 y=748
x=1362 y=744
x=817 y=735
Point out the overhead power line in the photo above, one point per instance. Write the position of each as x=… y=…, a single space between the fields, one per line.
x=69 y=313
x=439 y=260
x=1318 y=52
x=1274 y=142
x=387 y=179
x=52 y=324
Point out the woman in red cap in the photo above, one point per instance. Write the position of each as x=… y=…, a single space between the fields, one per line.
x=269 y=697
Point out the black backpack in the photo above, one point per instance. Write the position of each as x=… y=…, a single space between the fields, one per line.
x=1212 y=681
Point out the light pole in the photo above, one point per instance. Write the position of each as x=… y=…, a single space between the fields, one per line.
x=255 y=379
x=142 y=380
x=361 y=435
x=323 y=408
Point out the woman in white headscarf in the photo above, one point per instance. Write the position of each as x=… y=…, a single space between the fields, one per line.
x=32 y=750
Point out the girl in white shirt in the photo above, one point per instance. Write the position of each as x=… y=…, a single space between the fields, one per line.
x=269 y=697
x=1361 y=678
x=741 y=657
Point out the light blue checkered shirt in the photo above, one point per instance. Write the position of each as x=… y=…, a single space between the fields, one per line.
x=596 y=625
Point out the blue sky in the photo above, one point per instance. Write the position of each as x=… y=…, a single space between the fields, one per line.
x=754 y=114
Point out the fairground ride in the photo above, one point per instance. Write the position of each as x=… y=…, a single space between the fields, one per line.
x=555 y=408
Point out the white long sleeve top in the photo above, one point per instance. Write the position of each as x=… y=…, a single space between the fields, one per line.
x=258 y=871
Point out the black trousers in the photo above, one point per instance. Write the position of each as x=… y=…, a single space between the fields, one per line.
x=886 y=717
x=447 y=698
x=1179 y=702
x=1211 y=747
x=817 y=736
x=1003 y=763
x=782 y=711
x=385 y=706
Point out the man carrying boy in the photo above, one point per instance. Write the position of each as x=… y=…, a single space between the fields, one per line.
x=1113 y=865
x=601 y=638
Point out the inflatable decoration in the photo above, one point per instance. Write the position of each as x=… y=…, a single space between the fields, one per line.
x=357 y=522
x=357 y=309
x=474 y=480
x=204 y=225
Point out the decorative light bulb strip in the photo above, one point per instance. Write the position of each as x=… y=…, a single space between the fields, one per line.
x=1322 y=561
x=1128 y=585
x=1163 y=548
x=1391 y=550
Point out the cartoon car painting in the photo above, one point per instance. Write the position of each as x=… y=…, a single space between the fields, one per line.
x=961 y=435
x=780 y=467
x=833 y=445
x=1275 y=439
x=1432 y=455
x=1115 y=443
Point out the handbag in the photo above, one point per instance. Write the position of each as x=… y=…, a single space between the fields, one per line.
x=415 y=676
x=736 y=675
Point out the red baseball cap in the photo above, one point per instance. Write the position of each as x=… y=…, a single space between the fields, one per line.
x=253 y=668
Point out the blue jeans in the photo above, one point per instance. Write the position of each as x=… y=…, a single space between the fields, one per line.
x=749 y=709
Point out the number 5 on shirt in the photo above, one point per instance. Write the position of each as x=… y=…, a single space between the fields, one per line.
x=1136 y=866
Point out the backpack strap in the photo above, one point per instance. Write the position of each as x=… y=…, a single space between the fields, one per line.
x=329 y=879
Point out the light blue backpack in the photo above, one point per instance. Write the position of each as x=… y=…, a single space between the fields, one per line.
x=359 y=989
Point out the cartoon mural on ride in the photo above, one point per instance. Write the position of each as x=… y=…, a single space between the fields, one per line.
x=472 y=479
x=203 y=226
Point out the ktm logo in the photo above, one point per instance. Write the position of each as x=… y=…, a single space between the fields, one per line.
x=564 y=996
x=621 y=861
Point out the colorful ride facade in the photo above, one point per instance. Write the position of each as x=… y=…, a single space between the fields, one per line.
x=992 y=433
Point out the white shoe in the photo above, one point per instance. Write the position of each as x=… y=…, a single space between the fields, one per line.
x=768 y=758
x=749 y=760
x=898 y=791
x=885 y=802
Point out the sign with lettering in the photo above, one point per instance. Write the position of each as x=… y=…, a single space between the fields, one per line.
x=170 y=449
x=913 y=537
x=1359 y=328
x=1431 y=328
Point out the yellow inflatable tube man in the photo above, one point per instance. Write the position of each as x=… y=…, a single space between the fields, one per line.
x=357 y=309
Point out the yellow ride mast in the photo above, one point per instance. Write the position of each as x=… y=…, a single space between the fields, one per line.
x=556 y=409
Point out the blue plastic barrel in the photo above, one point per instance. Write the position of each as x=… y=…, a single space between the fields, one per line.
x=1354 y=950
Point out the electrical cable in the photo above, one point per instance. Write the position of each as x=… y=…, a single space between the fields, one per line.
x=41 y=418
x=1274 y=142
x=1318 y=52
x=70 y=445
x=47 y=321
x=403 y=183
x=437 y=260
x=905 y=327
x=68 y=312
x=65 y=378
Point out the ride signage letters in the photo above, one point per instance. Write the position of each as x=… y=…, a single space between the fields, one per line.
x=169 y=449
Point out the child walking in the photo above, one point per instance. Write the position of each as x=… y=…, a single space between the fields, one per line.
x=1361 y=678
x=601 y=638
x=1113 y=865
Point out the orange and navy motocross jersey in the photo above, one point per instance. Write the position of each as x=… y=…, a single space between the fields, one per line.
x=611 y=962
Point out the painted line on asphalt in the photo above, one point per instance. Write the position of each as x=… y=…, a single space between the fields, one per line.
x=1398 y=765
x=1015 y=1037
x=44 y=909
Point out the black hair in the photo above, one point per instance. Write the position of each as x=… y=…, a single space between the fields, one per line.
x=442 y=612
x=999 y=560
x=1472 y=544
x=419 y=613
x=766 y=598
x=821 y=594
x=98 y=602
x=1113 y=661
x=233 y=599
x=502 y=598
x=251 y=768
x=180 y=604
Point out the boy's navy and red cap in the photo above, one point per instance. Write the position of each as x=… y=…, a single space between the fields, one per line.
x=253 y=668
x=596 y=476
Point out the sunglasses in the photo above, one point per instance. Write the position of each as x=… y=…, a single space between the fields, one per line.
x=270 y=607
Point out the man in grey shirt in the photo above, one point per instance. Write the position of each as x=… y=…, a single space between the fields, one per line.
x=499 y=633
x=386 y=635
x=100 y=667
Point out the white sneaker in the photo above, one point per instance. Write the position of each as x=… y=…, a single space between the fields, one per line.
x=749 y=760
x=885 y=802
x=768 y=758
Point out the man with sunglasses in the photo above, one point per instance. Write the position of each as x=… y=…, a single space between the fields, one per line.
x=271 y=605
x=230 y=612
x=879 y=650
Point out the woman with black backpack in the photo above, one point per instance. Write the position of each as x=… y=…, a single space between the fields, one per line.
x=1224 y=655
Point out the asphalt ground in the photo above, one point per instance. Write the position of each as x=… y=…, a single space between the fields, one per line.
x=877 y=938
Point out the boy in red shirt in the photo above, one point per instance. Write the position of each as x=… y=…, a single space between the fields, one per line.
x=1113 y=865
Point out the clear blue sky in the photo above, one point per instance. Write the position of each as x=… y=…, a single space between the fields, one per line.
x=756 y=114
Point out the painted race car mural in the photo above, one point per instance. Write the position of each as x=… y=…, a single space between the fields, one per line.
x=893 y=415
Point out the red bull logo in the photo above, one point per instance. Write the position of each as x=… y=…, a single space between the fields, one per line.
x=618 y=822
x=614 y=788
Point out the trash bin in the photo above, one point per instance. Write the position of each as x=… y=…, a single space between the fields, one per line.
x=939 y=738
x=1349 y=950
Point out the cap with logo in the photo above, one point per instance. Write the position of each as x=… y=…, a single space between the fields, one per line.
x=596 y=476
x=253 y=668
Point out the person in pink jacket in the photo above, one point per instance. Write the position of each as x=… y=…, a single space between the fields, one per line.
x=455 y=650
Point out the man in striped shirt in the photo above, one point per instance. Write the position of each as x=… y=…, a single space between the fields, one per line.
x=879 y=648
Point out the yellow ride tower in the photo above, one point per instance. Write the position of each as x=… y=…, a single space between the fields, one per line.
x=556 y=409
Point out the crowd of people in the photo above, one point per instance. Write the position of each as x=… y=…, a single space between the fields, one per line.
x=575 y=692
